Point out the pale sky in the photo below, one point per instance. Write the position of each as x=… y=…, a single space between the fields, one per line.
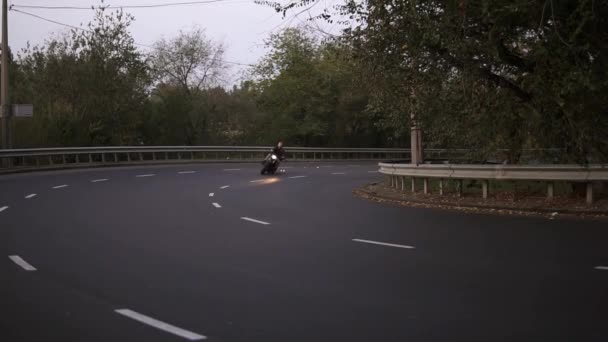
x=240 y=24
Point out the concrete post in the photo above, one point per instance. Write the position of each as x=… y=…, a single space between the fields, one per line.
x=403 y=184
x=5 y=104
x=459 y=187
x=589 y=193
x=550 y=191
x=413 y=184
x=484 y=188
x=441 y=187
x=426 y=186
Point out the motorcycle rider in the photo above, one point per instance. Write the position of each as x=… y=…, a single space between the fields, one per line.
x=279 y=150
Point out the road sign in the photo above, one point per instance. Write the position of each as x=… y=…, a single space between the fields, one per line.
x=23 y=110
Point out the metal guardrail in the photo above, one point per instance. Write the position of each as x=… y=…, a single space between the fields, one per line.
x=50 y=158
x=546 y=173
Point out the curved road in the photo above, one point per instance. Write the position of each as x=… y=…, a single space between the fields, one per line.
x=217 y=252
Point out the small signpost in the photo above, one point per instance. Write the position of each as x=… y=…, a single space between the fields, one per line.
x=23 y=110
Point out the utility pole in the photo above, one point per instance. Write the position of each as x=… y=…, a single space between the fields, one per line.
x=416 y=136
x=6 y=107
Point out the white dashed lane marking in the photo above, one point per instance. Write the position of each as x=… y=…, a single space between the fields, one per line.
x=257 y=181
x=30 y=196
x=601 y=268
x=339 y=173
x=3 y=208
x=224 y=187
x=186 y=172
x=217 y=205
x=19 y=261
x=60 y=186
x=99 y=180
x=232 y=169
x=211 y=194
x=160 y=325
x=373 y=171
x=295 y=177
x=384 y=244
x=146 y=175
x=254 y=221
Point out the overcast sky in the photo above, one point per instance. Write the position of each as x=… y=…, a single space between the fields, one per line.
x=240 y=24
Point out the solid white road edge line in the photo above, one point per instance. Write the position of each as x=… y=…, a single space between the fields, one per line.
x=160 y=325
x=601 y=268
x=339 y=173
x=217 y=205
x=60 y=186
x=384 y=243
x=211 y=194
x=186 y=172
x=99 y=180
x=224 y=187
x=146 y=175
x=3 y=208
x=19 y=261
x=255 y=221
x=294 y=177
x=30 y=196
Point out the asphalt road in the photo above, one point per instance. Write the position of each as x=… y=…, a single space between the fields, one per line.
x=148 y=254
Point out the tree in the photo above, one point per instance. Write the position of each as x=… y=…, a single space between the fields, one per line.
x=189 y=60
x=496 y=74
x=87 y=86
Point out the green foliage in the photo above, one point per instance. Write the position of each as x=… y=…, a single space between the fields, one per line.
x=86 y=87
x=490 y=74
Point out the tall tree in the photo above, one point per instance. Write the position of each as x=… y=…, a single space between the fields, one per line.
x=190 y=60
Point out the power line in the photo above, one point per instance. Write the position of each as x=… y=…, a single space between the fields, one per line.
x=87 y=30
x=92 y=7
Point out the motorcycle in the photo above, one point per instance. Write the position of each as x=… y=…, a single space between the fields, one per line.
x=270 y=164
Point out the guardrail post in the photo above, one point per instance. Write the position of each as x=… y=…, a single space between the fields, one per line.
x=153 y=155
x=37 y=161
x=402 y=184
x=550 y=191
x=77 y=159
x=413 y=184
x=192 y=155
x=50 y=160
x=484 y=188
x=426 y=186
x=459 y=187
x=63 y=158
x=141 y=156
x=441 y=187
x=90 y=158
x=589 y=193
x=115 y=157
x=166 y=155
x=128 y=156
x=103 y=157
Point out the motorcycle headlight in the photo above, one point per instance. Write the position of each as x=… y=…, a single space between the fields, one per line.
x=274 y=157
